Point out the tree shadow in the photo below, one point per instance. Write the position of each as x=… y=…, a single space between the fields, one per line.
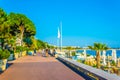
x=7 y=66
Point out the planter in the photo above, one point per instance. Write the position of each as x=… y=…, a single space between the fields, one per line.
x=24 y=53
x=16 y=55
x=39 y=50
x=3 y=64
x=30 y=53
x=20 y=54
x=11 y=57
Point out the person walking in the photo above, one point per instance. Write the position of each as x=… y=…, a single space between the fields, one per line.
x=54 y=52
x=49 y=52
x=46 y=52
x=34 y=52
x=43 y=52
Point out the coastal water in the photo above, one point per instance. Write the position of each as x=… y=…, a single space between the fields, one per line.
x=93 y=53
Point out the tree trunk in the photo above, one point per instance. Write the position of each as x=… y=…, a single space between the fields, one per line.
x=104 y=57
x=98 y=59
x=21 y=36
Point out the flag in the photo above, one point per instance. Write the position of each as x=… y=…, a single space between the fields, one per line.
x=58 y=33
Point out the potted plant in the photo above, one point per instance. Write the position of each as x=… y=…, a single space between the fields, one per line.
x=19 y=51
x=24 y=49
x=4 y=54
x=16 y=54
x=30 y=51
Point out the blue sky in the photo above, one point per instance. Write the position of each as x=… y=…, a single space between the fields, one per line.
x=84 y=21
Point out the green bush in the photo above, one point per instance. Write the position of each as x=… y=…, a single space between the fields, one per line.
x=94 y=65
x=19 y=48
x=113 y=63
x=26 y=48
x=11 y=51
x=88 y=55
x=4 y=54
x=73 y=53
x=79 y=61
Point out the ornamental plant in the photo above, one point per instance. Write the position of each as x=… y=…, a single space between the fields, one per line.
x=4 y=54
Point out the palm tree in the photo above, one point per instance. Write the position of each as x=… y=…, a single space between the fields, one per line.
x=98 y=47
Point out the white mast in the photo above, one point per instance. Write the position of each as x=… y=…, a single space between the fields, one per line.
x=58 y=41
x=61 y=35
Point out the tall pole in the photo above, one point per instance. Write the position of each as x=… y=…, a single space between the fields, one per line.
x=58 y=40
x=58 y=43
x=61 y=36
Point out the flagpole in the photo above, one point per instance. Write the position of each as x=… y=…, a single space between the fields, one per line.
x=58 y=41
x=61 y=35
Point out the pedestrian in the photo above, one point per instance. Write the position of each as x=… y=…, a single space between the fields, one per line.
x=34 y=52
x=43 y=52
x=54 y=52
x=49 y=52
x=46 y=52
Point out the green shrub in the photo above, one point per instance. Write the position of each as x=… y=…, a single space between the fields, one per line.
x=113 y=63
x=79 y=61
x=19 y=48
x=26 y=48
x=11 y=52
x=73 y=53
x=4 y=54
x=94 y=65
x=88 y=55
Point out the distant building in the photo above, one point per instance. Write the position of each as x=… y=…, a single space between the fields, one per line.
x=85 y=47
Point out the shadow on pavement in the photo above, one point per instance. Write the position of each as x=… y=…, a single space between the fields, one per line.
x=7 y=66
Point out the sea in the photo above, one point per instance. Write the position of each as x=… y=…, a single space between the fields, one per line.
x=93 y=52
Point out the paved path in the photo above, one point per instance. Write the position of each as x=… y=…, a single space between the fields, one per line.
x=38 y=68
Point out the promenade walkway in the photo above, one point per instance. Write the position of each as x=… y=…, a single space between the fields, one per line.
x=38 y=68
